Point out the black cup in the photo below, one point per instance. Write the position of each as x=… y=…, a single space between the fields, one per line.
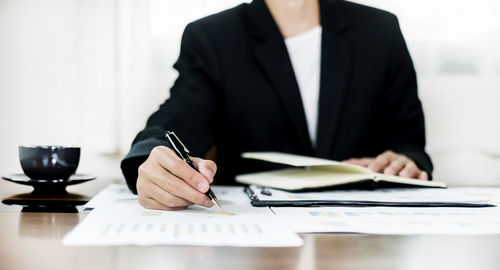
x=49 y=162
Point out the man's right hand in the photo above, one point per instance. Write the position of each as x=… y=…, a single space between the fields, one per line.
x=166 y=182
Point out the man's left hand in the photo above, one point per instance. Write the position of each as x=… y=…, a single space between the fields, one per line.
x=391 y=163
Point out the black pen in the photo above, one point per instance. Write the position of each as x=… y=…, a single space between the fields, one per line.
x=182 y=151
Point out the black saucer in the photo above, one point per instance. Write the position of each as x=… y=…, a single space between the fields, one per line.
x=47 y=202
x=41 y=186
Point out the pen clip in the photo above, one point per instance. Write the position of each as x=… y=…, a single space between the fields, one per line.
x=179 y=140
x=178 y=146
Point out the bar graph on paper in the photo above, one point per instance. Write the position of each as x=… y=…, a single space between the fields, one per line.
x=392 y=220
x=152 y=223
x=176 y=230
x=124 y=222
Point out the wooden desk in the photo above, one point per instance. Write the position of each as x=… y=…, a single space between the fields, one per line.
x=33 y=241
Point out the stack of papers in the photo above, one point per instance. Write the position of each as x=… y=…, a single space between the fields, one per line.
x=379 y=197
x=118 y=219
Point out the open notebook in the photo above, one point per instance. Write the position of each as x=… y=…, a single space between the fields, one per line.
x=308 y=173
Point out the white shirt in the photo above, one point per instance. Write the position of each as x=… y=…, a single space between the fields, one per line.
x=305 y=54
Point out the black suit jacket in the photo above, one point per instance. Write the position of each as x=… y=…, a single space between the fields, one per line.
x=237 y=90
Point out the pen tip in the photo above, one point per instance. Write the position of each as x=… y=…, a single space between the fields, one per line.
x=216 y=202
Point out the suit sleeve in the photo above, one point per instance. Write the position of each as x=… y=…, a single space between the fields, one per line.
x=191 y=109
x=403 y=114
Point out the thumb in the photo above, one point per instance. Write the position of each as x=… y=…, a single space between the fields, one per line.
x=206 y=167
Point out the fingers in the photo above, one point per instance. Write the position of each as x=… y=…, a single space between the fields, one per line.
x=163 y=197
x=151 y=203
x=392 y=164
x=396 y=165
x=410 y=171
x=177 y=187
x=382 y=161
x=166 y=181
x=423 y=176
x=207 y=168
x=178 y=167
x=365 y=162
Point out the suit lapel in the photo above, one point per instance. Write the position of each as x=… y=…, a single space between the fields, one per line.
x=275 y=62
x=335 y=73
x=272 y=56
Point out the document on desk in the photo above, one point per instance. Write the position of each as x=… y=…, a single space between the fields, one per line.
x=407 y=197
x=122 y=221
x=113 y=192
x=391 y=220
x=491 y=194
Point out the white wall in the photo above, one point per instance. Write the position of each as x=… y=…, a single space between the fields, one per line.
x=57 y=75
x=89 y=72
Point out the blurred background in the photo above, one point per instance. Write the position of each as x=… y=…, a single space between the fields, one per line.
x=90 y=72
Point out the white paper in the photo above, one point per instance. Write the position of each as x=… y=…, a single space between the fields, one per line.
x=112 y=192
x=390 y=195
x=485 y=193
x=296 y=160
x=122 y=221
x=391 y=220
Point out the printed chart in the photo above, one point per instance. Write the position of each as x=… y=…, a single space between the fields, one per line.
x=392 y=220
x=120 y=220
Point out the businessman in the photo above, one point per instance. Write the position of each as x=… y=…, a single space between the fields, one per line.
x=324 y=78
